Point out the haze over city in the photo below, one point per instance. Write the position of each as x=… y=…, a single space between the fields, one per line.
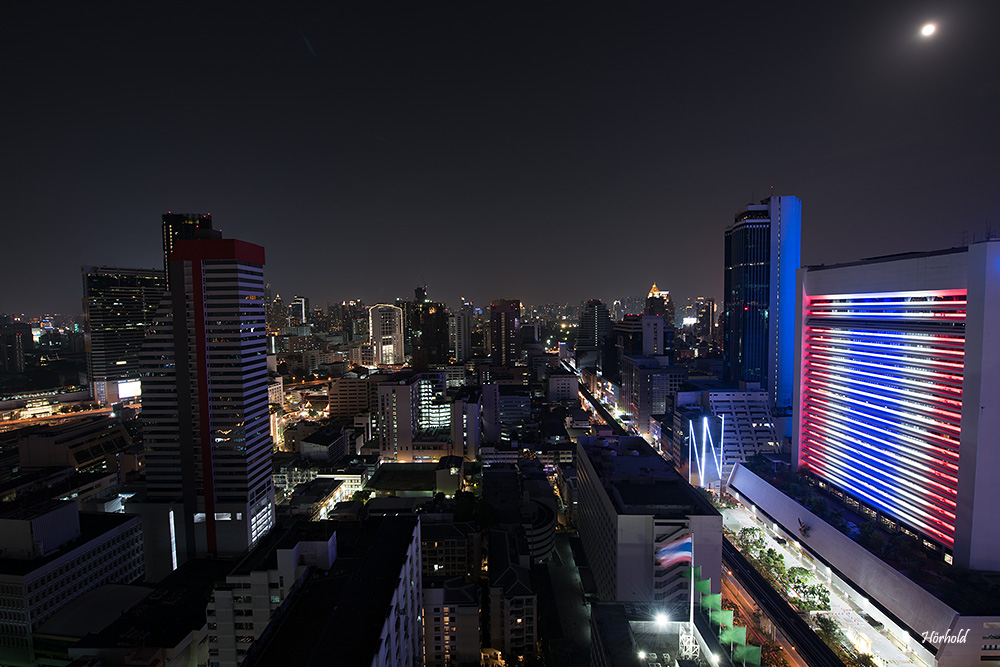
x=371 y=149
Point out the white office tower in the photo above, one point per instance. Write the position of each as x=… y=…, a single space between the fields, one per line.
x=460 y=335
x=205 y=415
x=385 y=326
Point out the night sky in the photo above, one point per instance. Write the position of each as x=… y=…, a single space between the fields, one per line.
x=547 y=152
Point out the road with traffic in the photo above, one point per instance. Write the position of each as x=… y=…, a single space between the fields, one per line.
x=805 y=642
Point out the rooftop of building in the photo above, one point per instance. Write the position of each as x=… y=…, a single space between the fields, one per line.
x=93 y=611
x=16 y=511
x=314 y=491
x=896 y=257
x=447 y=530
x=441 y=434
x=626 y=629
x=640 y=481
x=264 y=556
x=392 y=506
x=508 y=390
x=706 y=384
x=469 y=394
x=404 y=477
x=450 y=462
x=505 y=569
x=92 y=526
x=653 y=362
x=502 y=491
x=75 y=427
x=456 y=591
x=342 y=613
x=327 y=435
x=175 y=608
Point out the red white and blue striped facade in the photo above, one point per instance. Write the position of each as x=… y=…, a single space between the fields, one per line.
x=898 y=393
x=882 y=401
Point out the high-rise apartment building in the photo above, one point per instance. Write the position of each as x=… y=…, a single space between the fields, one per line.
x=705 y=314
x=898 y=394
x=427 y=331
x=118 y=308
x=505 y=339
x=414 y=418
x=460 y=335
x=762 y=253
x=648 y=387
x=15 y=340
x=659 y=304
x=595 y=325
x=205 y=411
x=180 y=227
x=385 y=327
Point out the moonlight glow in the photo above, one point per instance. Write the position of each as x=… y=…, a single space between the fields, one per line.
x=928 y=30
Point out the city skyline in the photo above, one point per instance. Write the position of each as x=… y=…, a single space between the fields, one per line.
x=344 y=137
x=646 y=333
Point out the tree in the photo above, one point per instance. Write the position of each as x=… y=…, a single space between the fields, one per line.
x=871 y=538
x=750 y=541
x=797 y=576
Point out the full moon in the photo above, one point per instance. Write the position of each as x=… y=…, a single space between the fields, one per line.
x=928 y=30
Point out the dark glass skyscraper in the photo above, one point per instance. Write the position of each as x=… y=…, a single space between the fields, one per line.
x=595 y=325
x=761 y=257
x=118 y=305
x=505 y=323
x=181 y=226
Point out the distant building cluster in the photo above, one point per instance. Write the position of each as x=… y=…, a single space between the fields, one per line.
x=223 y=477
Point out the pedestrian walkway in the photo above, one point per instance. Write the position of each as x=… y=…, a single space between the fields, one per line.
x=858 y=631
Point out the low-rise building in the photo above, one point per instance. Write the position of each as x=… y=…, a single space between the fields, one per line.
x=168 y=627
x=562 y=386
x=313 y=501
x=451 y=549
x=50 y=554
x=87 y=444
x=451 y=612
x=513 y=603
x=365 y=611
x=242 y=607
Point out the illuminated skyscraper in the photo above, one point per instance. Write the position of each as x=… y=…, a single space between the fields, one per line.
x=298 y=311
x=118 y=306
x=385 y=327
x=659 y=303
x=183 y=226
x=205 y=405
x=505 y=325
x=898 y=394
x=761 y=257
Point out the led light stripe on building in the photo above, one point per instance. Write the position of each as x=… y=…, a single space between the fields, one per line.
x=881 y=378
